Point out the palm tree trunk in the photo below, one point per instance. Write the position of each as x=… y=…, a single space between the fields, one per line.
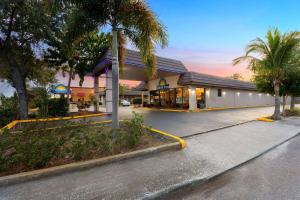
x=115 y=79
x=292 y=102
x=69 y=84
x=276 y=114
x=283 y=104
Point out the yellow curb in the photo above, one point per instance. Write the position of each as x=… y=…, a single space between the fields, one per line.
x=181 y=141
x=264 y=119
x=13 y=123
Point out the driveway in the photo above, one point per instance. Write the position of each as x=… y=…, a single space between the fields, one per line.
x=275 y=175
x=189 y=123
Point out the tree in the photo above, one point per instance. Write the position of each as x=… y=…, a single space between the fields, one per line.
x=272 y=58
x=130 y=19
x=292 y=86
x=23 y=28
x=76 y=56
x=236 y=76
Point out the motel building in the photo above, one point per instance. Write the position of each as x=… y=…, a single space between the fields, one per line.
x=176 y=87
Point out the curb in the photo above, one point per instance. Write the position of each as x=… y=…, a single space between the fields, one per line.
x=181 y=141
x=264 y=119
x=176 y=187
x=31 y=175
x=13 y=123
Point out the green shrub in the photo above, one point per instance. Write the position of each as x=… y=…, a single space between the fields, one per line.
x=136 y=101
x=135 y=130
x=36 y=146
x=40 y=100
x=9 y=109
x=293 y=112
x=58 y=107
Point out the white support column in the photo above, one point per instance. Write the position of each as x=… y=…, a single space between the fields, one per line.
x=108 y=92
x=148 y=97
x=142 y=99
x=192 y=98
x=96 y=93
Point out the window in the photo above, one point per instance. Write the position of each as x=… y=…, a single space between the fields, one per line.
x=219 y=92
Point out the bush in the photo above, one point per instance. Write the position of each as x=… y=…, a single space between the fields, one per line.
x=293 y=112
x=137 y=101
x=135 y=130
x=28 y=149
x=37 y=146
x=58 y=107
x=41 y=100
x=9 y=109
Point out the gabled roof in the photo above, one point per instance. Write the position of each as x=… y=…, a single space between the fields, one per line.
x=133 y=58
x=194 y=78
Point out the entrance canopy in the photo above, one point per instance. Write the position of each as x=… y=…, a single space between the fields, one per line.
x=134 y=68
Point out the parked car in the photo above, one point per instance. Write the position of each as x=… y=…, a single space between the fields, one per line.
x=125 y=103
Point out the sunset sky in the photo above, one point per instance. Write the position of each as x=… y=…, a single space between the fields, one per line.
x=207 y=35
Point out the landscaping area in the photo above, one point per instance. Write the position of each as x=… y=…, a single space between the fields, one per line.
x=36 y=147
x=292 y=112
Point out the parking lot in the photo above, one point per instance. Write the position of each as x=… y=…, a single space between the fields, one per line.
x=189 y=123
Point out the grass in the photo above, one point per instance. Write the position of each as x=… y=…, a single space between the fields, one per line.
x=35 y=148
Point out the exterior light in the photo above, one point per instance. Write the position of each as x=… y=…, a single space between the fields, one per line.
x=259 y=94
x=207 y=93
x=250 y=94
x=268 y=94
x=224 y=93
x=238 y=93
x=191 y=91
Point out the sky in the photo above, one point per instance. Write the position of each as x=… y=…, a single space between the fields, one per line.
x=206 y=35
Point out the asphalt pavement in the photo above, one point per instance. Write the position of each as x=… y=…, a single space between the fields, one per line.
x=274 y=176
x=189 y=123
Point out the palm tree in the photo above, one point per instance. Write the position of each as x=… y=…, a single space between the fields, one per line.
x=272 y=58
x=128 y=19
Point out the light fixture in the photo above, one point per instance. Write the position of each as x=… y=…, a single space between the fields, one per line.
x=259 y=94
x=250 y=94
x=238 y=93
x=268 y=94
x=224 y=93
x=207 y=92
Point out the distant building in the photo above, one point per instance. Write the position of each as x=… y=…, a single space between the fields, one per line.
x=86 y=94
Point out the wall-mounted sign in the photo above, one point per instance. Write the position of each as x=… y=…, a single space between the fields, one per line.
x=59 y=89
x=162 y=84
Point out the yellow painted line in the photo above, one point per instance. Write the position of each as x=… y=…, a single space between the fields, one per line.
x=13 y=123
x=181 y=141
x=264 y=119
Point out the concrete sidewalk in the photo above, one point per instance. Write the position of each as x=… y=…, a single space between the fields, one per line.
x=206 y=155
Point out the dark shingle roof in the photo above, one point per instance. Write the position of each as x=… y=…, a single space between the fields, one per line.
x=193 y=78
x=133 y=58
x=141 y=86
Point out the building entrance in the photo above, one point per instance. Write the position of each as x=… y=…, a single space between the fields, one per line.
x=170 y=98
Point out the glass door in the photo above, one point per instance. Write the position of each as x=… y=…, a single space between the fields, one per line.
x=200 y=96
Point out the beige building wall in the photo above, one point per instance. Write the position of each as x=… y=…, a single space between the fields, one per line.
x=237 y=98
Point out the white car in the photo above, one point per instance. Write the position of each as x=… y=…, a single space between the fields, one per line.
x=125 y=103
